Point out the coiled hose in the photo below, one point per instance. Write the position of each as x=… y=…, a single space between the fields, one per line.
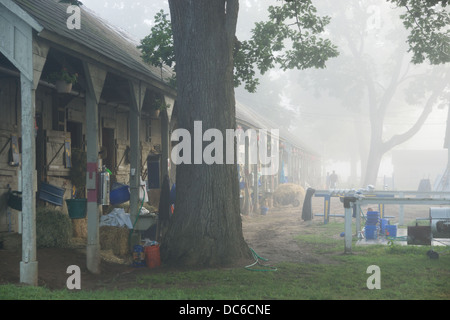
x=261 y=267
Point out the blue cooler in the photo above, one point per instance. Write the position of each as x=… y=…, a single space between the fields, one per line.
x=391 y=231
x=371 y=232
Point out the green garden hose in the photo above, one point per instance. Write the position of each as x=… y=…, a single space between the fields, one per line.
x=261 y=266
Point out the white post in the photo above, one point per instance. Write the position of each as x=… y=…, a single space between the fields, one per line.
x=95 y=78
x=29 y=264
x=349 y=202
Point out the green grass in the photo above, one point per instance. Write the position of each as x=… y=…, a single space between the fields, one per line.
x=406 y=273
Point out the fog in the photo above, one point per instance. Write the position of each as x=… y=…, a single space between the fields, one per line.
x=329 y=109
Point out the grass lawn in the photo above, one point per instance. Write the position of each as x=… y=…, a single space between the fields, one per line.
x=406 y=273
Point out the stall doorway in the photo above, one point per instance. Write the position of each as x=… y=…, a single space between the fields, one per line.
x=109 y=149
x=76 y=134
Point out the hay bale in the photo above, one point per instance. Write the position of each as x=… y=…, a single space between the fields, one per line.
x=79 y=228
x=289 y=193
x=108 y=255
x=10 y=241
x=115 y=239
x=53 y=228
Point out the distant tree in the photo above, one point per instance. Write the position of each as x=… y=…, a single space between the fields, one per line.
x=371 y=79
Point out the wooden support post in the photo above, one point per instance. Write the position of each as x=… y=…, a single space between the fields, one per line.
x=16 y=46
x=95 y=79
x=29 y=264
x=137 y=93
x=165 y=146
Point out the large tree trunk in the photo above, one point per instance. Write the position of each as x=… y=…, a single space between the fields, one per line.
x=206 y=227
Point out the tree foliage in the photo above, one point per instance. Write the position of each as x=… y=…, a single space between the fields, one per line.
x=290 y=39
x=428 y=22
x=157 y=47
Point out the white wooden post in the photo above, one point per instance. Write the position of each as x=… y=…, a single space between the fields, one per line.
x=16 y=42
x=29 y=264
x=349 y=202
x=95 y=78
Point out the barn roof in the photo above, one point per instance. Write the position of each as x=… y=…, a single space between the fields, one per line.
x=96 y=34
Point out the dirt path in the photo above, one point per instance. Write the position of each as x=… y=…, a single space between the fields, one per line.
x=272 y=236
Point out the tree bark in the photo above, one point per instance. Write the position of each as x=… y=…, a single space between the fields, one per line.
x=206 y=227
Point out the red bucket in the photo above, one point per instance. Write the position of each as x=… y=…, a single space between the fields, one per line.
x=152 y=256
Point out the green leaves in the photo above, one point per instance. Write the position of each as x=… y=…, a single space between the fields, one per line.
x=157 y=48
x=290 y=39
x=428 y=22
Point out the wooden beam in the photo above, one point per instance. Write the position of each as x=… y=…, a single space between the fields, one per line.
x=137 y=94
x=83 y=53
x=40 y=52
x=95 y=79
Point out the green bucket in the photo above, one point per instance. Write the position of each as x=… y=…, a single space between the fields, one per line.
x=77 y=208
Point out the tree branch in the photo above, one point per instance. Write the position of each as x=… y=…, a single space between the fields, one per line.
x=400 y=138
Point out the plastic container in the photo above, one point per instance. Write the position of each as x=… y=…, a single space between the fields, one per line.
x=51 y=194
x=152 y=256
x=371 y=232
x=138 y=256
x=391 y=230
x=119 y=195
x=15 y=200
x=372 y=218
x=77 y=208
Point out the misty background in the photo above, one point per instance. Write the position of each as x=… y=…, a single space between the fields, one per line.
x=328 y=108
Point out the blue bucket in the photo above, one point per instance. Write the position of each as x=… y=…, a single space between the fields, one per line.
x=119 y=195
x=391 y=230
x=371 y=232
x=264 y=210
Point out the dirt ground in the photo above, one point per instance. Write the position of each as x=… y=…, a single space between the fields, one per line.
x=271 y=236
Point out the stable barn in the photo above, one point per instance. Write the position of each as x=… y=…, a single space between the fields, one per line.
x=113 y=112
x=297 y=163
